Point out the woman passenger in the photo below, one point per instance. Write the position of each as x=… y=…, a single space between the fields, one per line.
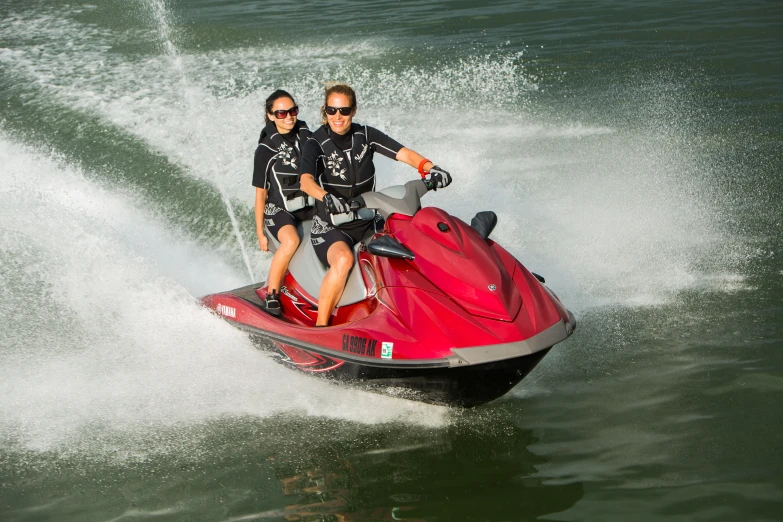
x=280 y=203
x=337 y=165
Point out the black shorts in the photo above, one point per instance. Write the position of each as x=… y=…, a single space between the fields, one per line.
x=276 y=218
x=323 y=235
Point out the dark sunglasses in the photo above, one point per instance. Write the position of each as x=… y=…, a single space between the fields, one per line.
x=282 y=114
x=345 y=111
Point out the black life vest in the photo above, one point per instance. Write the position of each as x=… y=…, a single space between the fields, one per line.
x=284 y=189
x=346 y=173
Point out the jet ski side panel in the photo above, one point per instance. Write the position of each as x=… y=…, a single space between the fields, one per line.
x=467 y=377
x=412 y=338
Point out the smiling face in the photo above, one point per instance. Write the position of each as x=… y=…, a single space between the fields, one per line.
x=285 y=125
x=338 y=123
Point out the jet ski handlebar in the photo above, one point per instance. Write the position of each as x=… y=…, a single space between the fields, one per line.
x=397 y=199
x=356 y=203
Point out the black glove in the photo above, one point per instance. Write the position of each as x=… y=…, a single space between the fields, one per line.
x=439 y=178
x=336 y=204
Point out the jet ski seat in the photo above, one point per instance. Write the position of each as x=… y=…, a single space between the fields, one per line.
x=309 y=272
x=307 y=269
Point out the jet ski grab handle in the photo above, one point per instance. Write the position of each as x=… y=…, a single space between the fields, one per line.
x=397 y=199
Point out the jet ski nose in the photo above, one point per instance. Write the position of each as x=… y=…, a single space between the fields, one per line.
x=460 y=263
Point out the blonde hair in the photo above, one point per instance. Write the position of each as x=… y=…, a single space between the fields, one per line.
x=339 y=88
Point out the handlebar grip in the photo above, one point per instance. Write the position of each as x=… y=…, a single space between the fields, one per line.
x=356 y=203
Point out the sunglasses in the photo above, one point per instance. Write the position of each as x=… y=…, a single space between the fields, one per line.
x=293 y=111
x=345 y=111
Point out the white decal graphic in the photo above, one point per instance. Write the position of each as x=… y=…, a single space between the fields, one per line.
x=335 y=165
x=226 y=311
x=362 y=153
x=284 y=291
x=270 y=209
x=371 y=276
x=387 y=349
x=320 y=226
x=285 y=152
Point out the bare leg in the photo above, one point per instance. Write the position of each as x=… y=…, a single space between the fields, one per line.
x=340 y=259
x=289 y=241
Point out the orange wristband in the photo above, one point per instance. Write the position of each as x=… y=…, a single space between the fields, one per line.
x=421 y=166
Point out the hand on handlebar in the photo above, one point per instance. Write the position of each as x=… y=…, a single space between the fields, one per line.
x=356 y=203
x=438 y=178
x=336 y=204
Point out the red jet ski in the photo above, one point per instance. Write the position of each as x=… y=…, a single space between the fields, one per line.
x=433 y=309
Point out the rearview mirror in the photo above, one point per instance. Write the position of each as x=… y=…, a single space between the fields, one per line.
x=387 y=246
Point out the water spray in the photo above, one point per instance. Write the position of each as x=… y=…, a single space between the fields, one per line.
x=162 y=17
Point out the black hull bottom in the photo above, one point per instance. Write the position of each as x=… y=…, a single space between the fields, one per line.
x=466 y=386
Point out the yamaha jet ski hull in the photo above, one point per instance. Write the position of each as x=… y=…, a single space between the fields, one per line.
x=433 y=310
x=443 y=382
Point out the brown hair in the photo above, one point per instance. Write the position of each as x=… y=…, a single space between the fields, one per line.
x=340 y=88
x=280 y=93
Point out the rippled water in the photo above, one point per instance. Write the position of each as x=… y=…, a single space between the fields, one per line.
x=631 y=150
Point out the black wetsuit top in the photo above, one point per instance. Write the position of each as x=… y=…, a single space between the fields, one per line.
x=277 y=161
x=343 y=164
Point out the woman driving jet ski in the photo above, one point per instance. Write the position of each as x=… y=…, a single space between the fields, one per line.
x=337 y=166
x=280 y=203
